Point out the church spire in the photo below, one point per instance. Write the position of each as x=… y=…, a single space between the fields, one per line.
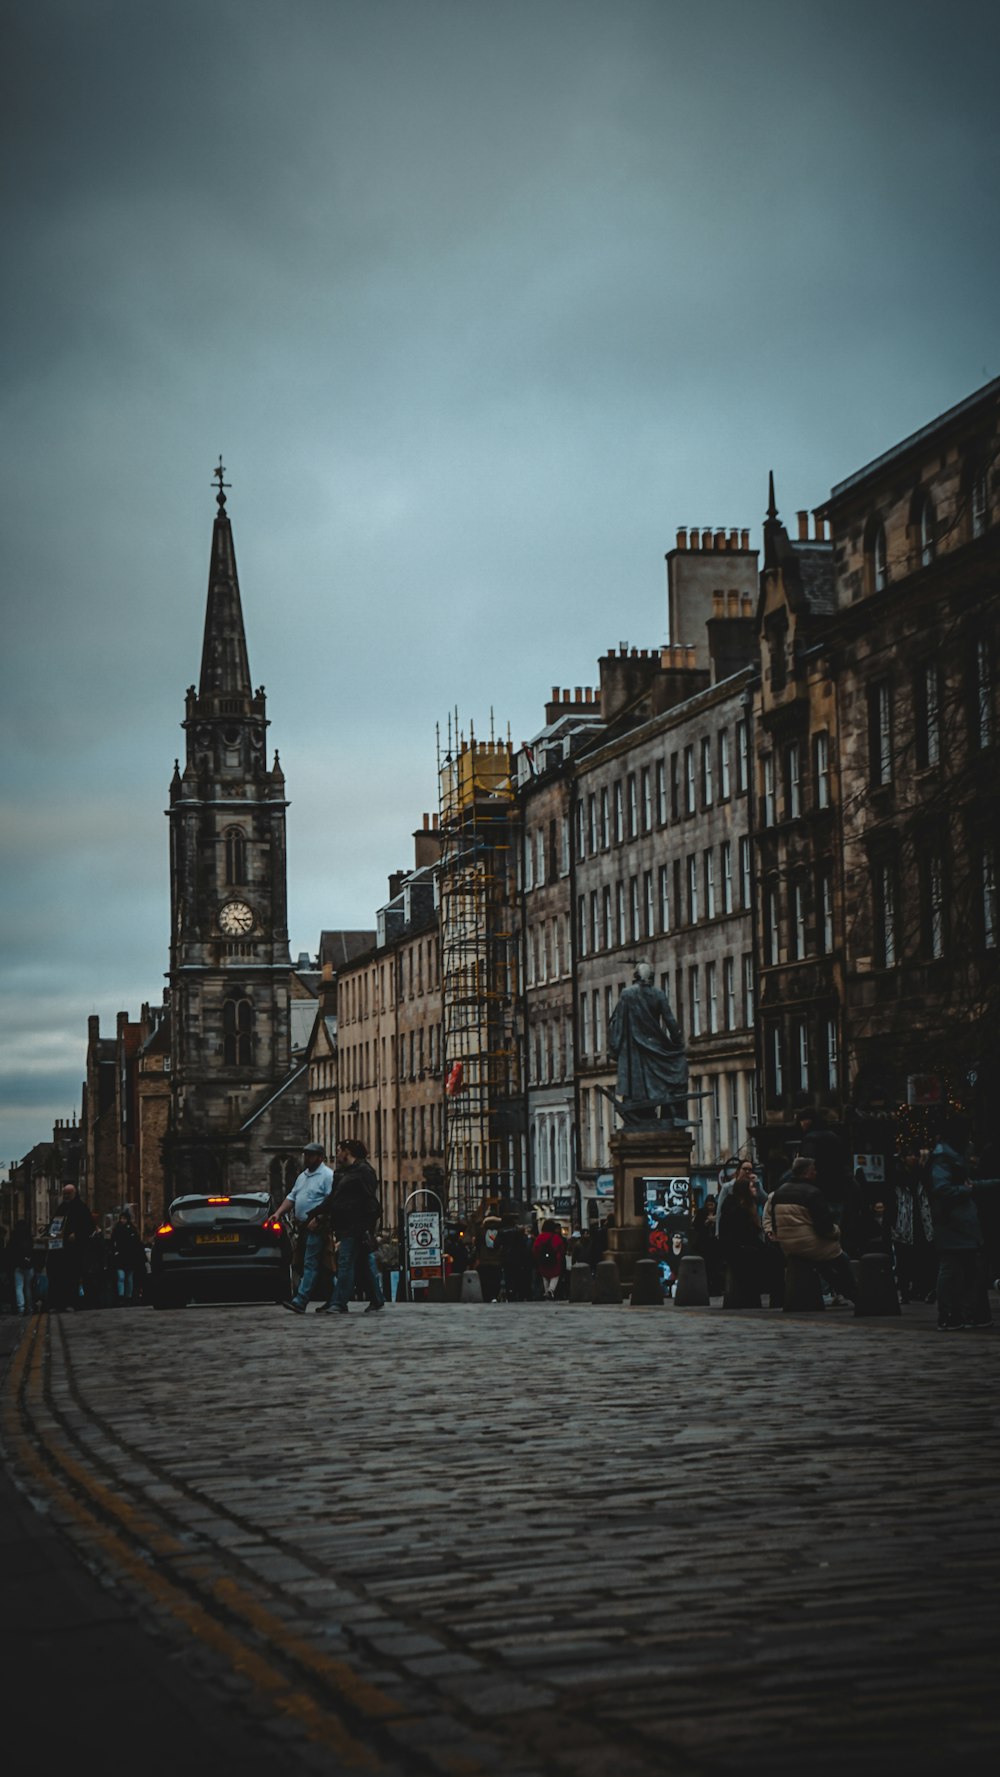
x=225 y=670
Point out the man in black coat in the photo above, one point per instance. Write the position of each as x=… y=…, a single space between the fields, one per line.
x=354 y=1214
x=77 y=1227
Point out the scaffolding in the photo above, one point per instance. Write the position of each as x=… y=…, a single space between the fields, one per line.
x=479 y=975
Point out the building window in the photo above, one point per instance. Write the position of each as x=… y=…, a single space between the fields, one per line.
x=830 y=1053
x=619 y=813
x=926 y=530
x=633 y=890
x=620 y=909
x=581 y=923
x=605 y=819
x=710 y=884
x=694 y=992
x=237 y=1031
x=776 y=633
x=802 y=1055
x=726 y=862
x=609 y=930
x=980 y=504
x=826 y=907
x=988 y=878
x=932 y=900
x=633 y=807
x=746 y=886
x=564 y=826
x=793 y=782
x=692 y=866
x=878 y=557
x=598 y=1032
x=595 y=922
x=729 y=991
x=664 y=897
x=647 y=799
x=821 y=769
x=733 y=1095
x=884 y=892
x=695 y=1115
x=771 y=934
x=706 y=772
x=982 y=708
x=770 y=799
x=689 y=781
x=880 y=734
x=540 y=858
x=529 y=856
x=236 y=857
x=927 y=697
x=661 y=792
x=712 y=995
x=777 y=1062
x=556 y=960
x=799 y=920
x=742 y=757
x=716 y=1103
x=724 y=783
x=581 y=831
x=592 y=823
x=584 y=1024
x=650 y=900
x=675 y=788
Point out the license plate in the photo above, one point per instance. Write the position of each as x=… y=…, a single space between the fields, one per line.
x=217 y=1240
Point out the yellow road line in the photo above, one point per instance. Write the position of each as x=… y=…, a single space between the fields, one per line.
x=322 y=1725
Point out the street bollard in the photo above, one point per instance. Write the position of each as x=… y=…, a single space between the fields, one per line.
x=581 y=1284
x=472 y=1289
x=692 y=1283
x=453 y=1287
x=436 y=1289
x=739 y=1292
x=803 y=1288
x=647 y=1290
x=876 y=1288
x=607 y=1288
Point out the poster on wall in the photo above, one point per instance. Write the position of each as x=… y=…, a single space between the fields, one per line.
x=668 y=1217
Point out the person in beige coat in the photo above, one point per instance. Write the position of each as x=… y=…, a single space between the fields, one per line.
x=799 y=1218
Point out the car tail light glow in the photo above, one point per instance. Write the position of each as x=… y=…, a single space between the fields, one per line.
x=273 y=1227
x=165 y=1228
x=218 y=1199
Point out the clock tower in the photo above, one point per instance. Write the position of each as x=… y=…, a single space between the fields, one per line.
x=237 y=1102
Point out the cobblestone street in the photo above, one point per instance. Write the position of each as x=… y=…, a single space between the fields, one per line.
x=721 y=1543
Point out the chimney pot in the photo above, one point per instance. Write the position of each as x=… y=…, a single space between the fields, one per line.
x=577 y=694
x=734 y=539
x=820 y=528
x=555 y=694
x=565 y=695
x=745 y=539
x=803 y=518
x=720 y=539
x=682 y=538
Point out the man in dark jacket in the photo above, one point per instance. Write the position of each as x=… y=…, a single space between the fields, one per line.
x=77 y=1227
x=798 y=1216
x=962 y=1295
x=354 y=1214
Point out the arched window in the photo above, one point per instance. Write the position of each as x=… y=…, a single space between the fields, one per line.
x=237 y=1031
x=236 y=856
x=923 y=525
x=876 y=555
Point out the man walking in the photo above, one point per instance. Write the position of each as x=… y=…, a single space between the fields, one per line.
x=77 y=1227
x=305 y=1199
x=355 y=1212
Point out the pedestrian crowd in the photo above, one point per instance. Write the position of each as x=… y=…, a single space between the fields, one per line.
x=72 y=1264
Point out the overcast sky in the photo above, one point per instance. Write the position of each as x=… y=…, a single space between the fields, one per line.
x=479 y=300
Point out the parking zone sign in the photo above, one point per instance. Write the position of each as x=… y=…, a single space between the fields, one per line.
x=423 y=1236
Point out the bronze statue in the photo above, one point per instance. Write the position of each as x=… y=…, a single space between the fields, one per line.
x=647 y=1043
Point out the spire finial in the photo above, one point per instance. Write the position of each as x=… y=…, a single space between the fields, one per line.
x=218 y=474
x=772 y=510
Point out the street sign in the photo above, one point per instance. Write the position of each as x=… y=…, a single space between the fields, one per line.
x=872 y=1166
x=423 y=1236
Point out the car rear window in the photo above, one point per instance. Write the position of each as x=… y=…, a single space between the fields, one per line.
x=236 y=1209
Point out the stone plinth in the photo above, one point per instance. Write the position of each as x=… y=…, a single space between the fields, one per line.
x=638 y=1154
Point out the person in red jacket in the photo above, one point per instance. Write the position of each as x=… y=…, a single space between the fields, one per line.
x=549 y=1252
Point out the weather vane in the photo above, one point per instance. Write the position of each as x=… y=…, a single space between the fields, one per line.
x=218 y=475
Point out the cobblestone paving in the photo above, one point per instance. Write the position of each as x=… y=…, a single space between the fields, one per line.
x=561 y=1539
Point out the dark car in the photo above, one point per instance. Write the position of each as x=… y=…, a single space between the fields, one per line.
x=220 y=1249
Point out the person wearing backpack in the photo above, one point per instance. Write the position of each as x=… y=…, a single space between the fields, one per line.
x=548 y=1252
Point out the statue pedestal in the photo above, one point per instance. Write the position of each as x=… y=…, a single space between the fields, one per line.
x=638 y=1154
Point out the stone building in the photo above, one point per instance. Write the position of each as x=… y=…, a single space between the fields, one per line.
x=238 y=1112
x=662 y=875
x=913 y=649
x=544 y=922
x=152 y=1112
x=797 y=812
x=389 y=1035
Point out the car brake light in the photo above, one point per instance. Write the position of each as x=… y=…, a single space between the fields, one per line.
x=218 y=1199
x=273 y=1227
x=165 y=1228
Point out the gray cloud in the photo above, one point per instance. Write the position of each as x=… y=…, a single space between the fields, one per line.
x=479 y=302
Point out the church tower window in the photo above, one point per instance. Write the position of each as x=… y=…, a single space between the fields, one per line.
x=237 y=1031
x=236 y=857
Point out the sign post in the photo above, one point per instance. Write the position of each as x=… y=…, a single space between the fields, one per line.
x=423 y=1246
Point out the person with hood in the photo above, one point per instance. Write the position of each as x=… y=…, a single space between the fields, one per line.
x=354 y=1213
x=77 y=1227
x=963 y=1301
x=19 y=1254
x=798 y=1216
x=741 y=1244
x=127 y=1258
x=548 y=1252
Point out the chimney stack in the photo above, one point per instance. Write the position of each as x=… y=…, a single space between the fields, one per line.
x=803 y=518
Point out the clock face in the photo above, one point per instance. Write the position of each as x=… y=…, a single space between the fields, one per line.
x=236 y=919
